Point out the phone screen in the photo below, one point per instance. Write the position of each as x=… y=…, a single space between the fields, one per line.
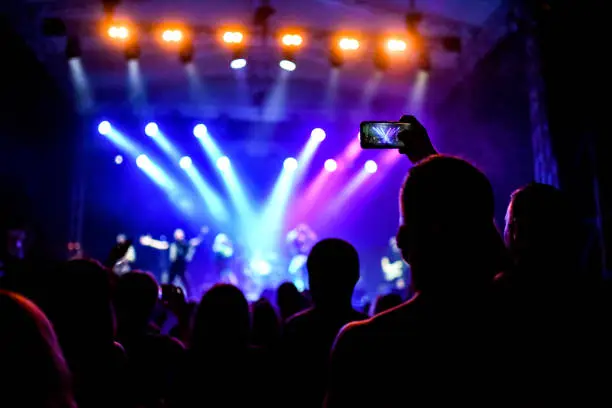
x=381 y=135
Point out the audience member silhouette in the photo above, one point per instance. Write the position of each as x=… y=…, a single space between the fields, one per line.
x=266 y=325
x=289 y=300
x=79 y=306
x=220 y=359
x=333 y=272
x=176 y=305
x=153 y=359
x=33 y=371
x=548 y=300
x=386 y=302
x=441 y=337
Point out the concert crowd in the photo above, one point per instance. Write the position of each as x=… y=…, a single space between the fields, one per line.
x=493 y=319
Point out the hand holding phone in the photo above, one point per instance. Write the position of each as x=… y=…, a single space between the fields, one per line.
x=408 y=135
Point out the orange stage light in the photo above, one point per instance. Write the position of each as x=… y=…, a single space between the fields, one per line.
x=292 y=40
x=118 y=32
x=348 y=44
x=396 y=45
x=172 y=36
x=233 y=37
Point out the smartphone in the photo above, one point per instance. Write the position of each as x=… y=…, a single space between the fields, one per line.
x=382 y=135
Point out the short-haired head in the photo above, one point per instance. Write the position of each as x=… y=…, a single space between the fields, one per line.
x=541 y=223
x=179 y=234
x=333 y=271
x=447 y=209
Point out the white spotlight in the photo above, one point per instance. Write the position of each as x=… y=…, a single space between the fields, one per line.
x=318 y=134
x=104 y=128
x=370 y=166
x=200 y=130
x=223 y=163
x=151 y=129
x=290 y=164
x=185 y=162
x=287 y=65
x=331 y=165
x=142 y=160
x=118 y=159
x=238 y=63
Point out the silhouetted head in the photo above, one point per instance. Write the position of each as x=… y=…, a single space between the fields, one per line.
x=34 y=373
x=222 y=320
x=448 y=235
x=266 y=324
x=173 y=296
x=179 y=234
x=541 y=227
x=333 y=271
x=386 y=302
x=289 y=300
x=121 y=238
x=136 y=296
x=79 y=306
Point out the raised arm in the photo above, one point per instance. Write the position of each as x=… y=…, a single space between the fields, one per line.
x=173 y=252
x=130 y=255
x=153 y=243
x=417 y=143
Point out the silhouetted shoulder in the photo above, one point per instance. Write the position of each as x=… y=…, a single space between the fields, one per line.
x=298 y=317
x=298 y=320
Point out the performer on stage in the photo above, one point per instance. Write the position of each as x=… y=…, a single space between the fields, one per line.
x=124 y=264
x=395 y=270
x=223 y=250
x=181 y=252
x=300 y=240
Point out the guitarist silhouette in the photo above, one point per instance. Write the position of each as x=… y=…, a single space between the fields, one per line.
x=395 y=271
x=181 y=252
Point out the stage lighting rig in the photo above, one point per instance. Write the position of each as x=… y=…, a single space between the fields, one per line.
x=396 y=45
x=73 y=48
x=288 y=64
x=290 y=42
x=109 y=7
x=424 y=61
x=341 y=47
x=235 y=40
x=261 y=18
x=381 y=59
x=186 y=52
x=336 y=59
x=132 y=51
x=172 y=36
x=118 y=32
x=413 y=20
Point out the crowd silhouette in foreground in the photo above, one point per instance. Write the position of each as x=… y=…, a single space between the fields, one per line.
x=495 y=320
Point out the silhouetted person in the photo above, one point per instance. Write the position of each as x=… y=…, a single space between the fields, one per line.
x=78 y=303
x=221 y=368
x=33 y=372
x=177 y=307
x=289 y=300
x=548 y=300
x=440 y=338
x=266 y=325
x=386 y=302
x=333 y=272
x=153 y=359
